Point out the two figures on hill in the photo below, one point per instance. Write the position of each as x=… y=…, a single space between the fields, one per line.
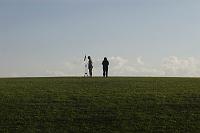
x=89 y=66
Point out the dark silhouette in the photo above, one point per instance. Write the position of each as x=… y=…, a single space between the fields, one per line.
x=105 y=64
x=90 y=66
x=86 y=66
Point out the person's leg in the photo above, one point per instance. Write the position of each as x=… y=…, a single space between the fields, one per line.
x=90 y=72
x=104 y=72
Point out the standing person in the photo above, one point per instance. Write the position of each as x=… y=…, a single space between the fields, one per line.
x=85 y=66
x=90 y=66
x=105 y=64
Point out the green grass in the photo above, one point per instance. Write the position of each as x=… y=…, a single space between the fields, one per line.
x=89 y=105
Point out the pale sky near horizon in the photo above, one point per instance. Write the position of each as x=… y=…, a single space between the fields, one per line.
x=140 y=37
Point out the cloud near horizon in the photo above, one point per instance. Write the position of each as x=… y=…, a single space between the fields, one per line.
x=119 y=66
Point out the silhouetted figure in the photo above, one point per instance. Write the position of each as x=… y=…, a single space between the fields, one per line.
x=90 y=66
x=86 y=66
x=105 y=64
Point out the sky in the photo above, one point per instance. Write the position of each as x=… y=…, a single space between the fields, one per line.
x=139 y=37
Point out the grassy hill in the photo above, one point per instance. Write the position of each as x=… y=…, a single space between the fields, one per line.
x=87 y=105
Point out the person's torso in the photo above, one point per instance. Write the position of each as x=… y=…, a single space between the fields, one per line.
x=90 y=64
x=105 y=63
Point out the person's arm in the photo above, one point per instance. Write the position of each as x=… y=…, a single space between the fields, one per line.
x=103 y=63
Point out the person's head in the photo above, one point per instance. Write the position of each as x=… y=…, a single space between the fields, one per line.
x=89 y=58
x=105 y=58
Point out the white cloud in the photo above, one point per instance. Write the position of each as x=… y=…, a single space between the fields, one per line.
x=174 y=66
x=134 y=67
x=140 y=61
x=54 y=73
x=69 y=68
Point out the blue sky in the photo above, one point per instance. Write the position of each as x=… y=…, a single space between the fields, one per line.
x=47 y=37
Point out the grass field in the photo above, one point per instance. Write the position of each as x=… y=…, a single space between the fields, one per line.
x=87 y=105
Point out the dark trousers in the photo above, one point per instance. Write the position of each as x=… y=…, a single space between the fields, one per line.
x=90 y=72
x=105 y=72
